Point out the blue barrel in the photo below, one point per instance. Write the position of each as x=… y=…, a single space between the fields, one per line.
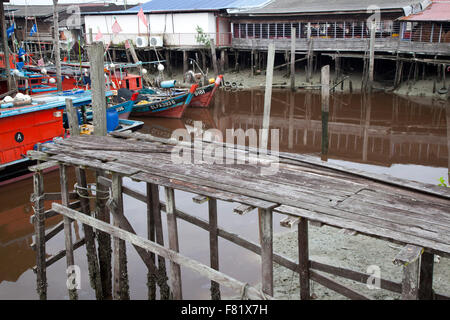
x=112 y=119
x=168 y=84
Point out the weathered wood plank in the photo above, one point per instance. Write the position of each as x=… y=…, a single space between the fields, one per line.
x=303 y=259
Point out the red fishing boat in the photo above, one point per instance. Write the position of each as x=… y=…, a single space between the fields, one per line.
x=203 y=95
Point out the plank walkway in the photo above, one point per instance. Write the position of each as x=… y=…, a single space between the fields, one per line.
x=404 y=212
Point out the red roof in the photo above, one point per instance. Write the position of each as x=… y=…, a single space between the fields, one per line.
x=439 y=10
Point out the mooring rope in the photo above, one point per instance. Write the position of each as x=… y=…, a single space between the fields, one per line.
x=88 y=189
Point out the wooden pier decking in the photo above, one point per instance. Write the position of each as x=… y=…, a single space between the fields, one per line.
x=303 y=188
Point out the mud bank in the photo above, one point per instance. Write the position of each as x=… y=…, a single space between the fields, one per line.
x=331 y=246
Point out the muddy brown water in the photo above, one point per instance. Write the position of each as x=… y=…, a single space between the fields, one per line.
x=383 y=133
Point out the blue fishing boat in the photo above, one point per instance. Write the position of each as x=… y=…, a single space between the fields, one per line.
x=26 y=123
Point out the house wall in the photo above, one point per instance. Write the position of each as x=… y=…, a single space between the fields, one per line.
x=177 y=29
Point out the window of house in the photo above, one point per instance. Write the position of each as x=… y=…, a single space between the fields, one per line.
x=257 y=30
x=243 y=31
x=279 y=30
x=250 y=30
x=265 y=31
x=272 y=30
x=287 y=30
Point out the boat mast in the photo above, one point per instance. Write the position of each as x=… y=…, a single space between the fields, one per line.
x=5 y=43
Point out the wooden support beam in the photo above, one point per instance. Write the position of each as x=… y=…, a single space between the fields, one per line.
x=96 y=57
x=120 y=282
x=214 y=57
x=266 y=240
x=5 y=46
x=426 y=277
x=72 y=117
x=293 y=38
x=337 y=287
x=243 y=209
x=151 y=274
x=174 y=256
x=268 y=96
x=303 y=259
x=61 y=254
x=161 y=277
x=73 y=295
x=91 y=250
x=175 y=270
x=39 y=230
x=199 y=199
x=409 y=258
x=289 y=222
x=56 y=47
x=49 y=235
x=213 y=246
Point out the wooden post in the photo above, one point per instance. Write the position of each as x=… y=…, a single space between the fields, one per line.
x=252 y=62
x=175 y=270
x=168 y=64
x=151 y=277
x=96 y=57
x=214 y=57
x=72 y=117
x=409 y=258
x=303 y=259
x=325 y=94
x=236 y=60
x=426 y=277
x=5 y=45
x=222 y=61
x=293 y=33
x=94 y=271
x=161 y=278
x=213 y=246
x=121 y=289
x=309 y=55
x=185 y=62
x=266 y=240
x=56 y=47
x=39 y=229
x=268 y=96
x=68 y=234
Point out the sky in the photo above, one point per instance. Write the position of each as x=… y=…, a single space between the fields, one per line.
x=41 y=2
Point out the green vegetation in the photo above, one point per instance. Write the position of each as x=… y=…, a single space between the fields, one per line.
x=443 y=183
x=202 y=37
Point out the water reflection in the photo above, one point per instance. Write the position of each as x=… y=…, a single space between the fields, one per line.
x=381 y=129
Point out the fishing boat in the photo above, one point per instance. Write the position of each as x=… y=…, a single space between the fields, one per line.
x=203 y=95
x=166 y=106
x=27 y=122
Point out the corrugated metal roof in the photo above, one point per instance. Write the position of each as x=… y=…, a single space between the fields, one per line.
x=194 y=5
x=437 y=11
x=321 y=6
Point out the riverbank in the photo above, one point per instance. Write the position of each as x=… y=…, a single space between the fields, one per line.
x=356 y=252
x=245 y=80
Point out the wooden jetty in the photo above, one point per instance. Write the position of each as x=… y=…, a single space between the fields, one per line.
x=304 y=189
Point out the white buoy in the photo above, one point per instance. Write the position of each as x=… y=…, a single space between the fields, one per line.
x=16 y=72
x=160 y=67
x=52 y=80
x=8 y=99
x=144 y=71
x=44 y=71
x=112 y=65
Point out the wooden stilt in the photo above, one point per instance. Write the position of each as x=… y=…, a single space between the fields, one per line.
x=39 y=229
x=121 y=289
x=185 y=62
x=293 y=33
x=161 y=278
x=303 y=259
x=175 y=270
x=222 y=61
x=214 y=57
x=168 y=63
x=409 y=258
x=266 y=240
x=72 y=279
x=151 y=277
x=213 y=246
x=426 y=277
